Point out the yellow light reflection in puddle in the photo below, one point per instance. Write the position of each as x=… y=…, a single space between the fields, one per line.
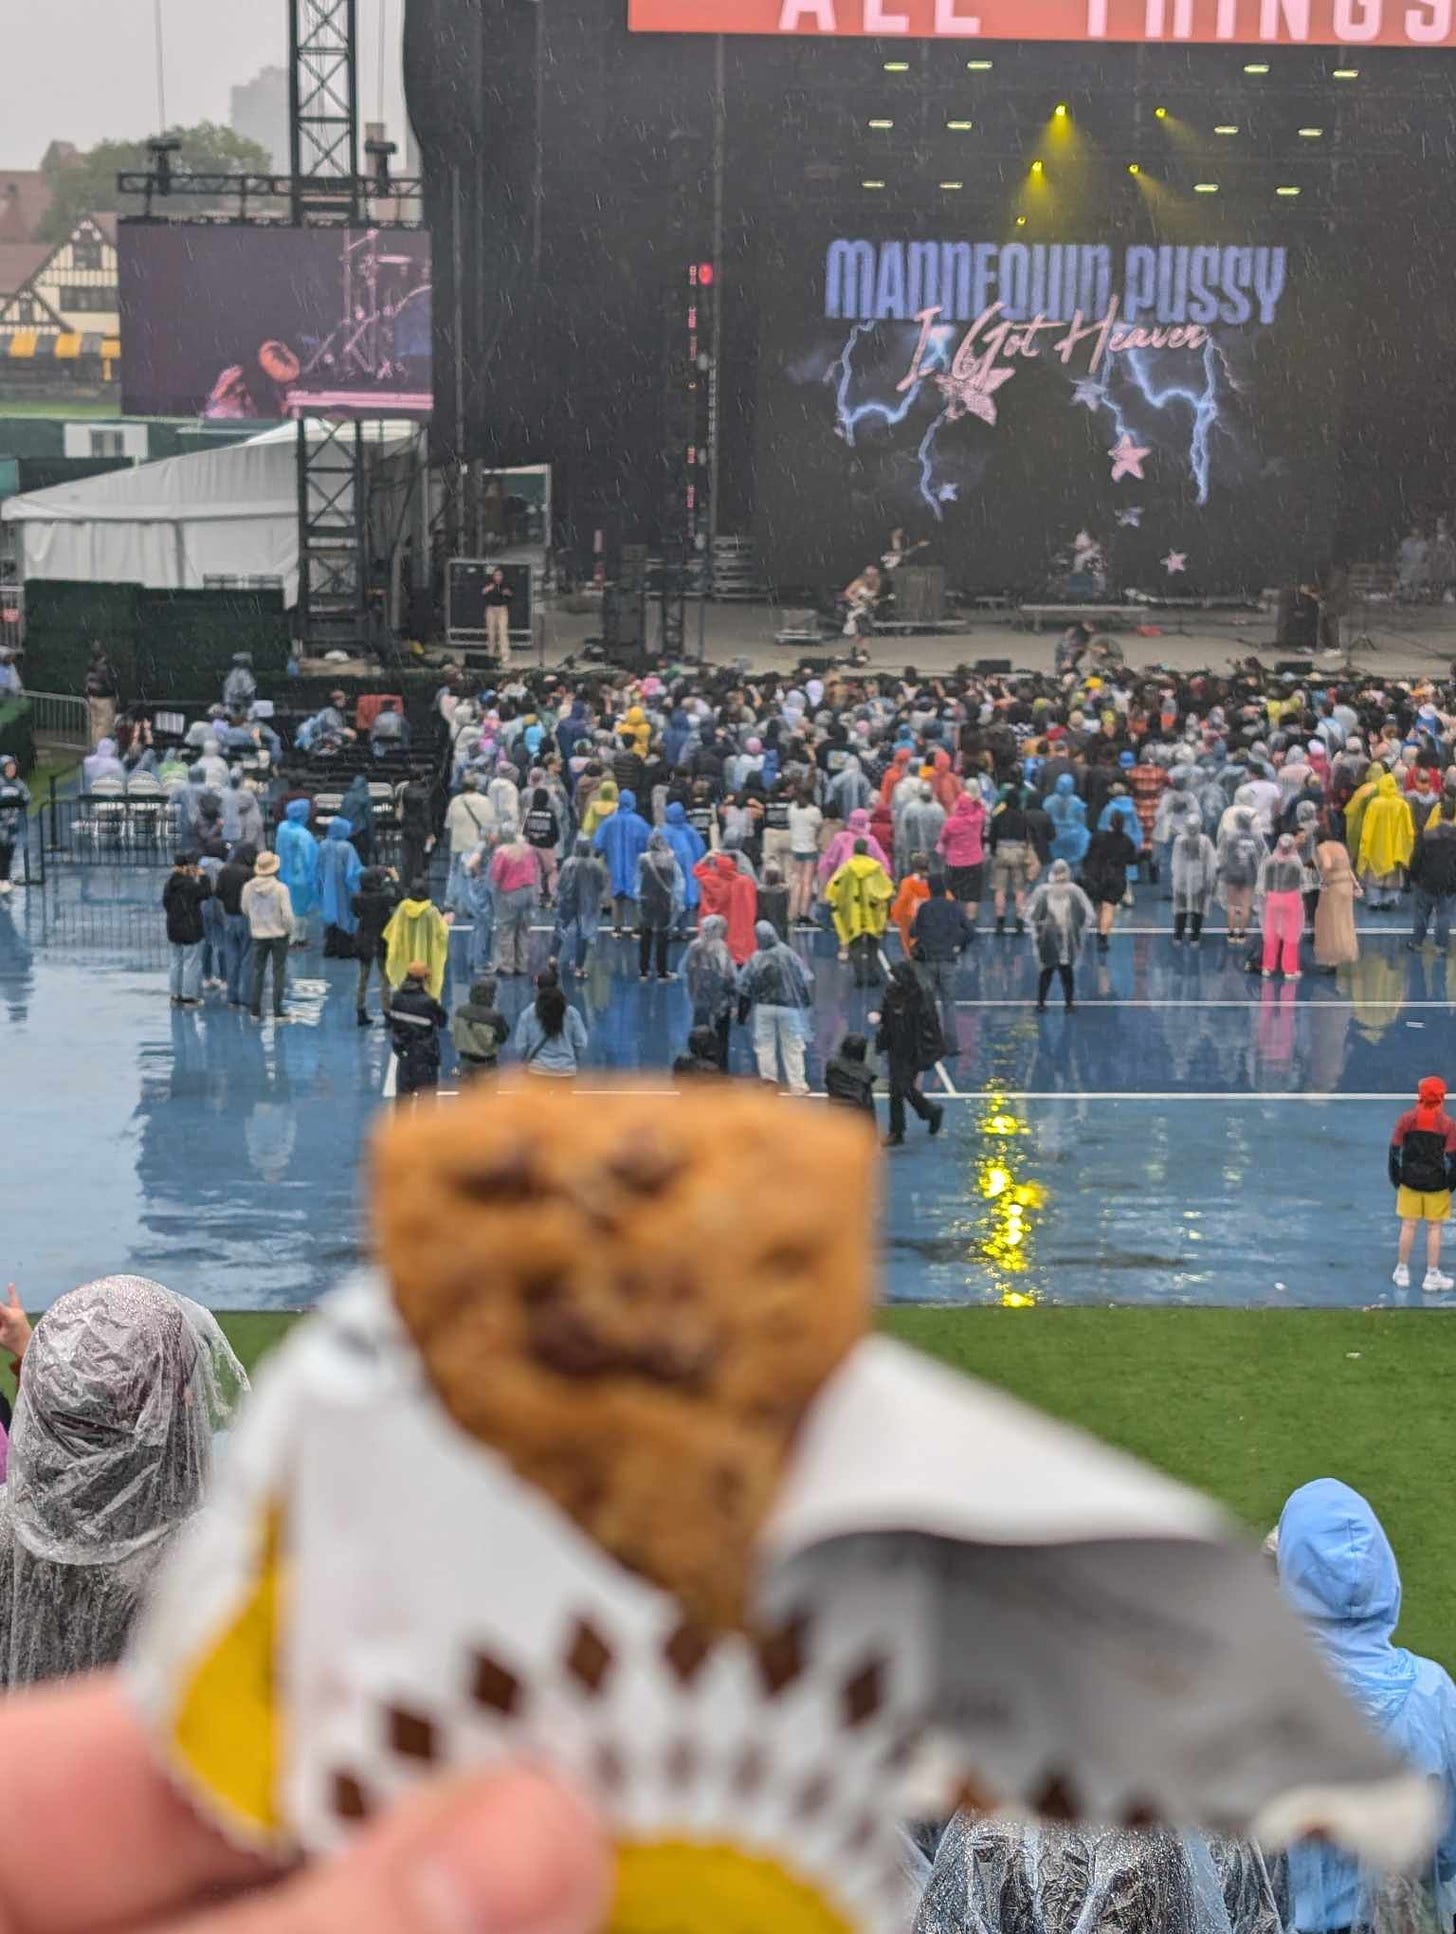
x=1009 y=1222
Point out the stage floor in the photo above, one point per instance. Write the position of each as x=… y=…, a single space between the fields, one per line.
x=1403 y=641
x=1192 y=1135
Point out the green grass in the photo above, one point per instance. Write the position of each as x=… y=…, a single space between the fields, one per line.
x=64 y=409
x=1245 y=1404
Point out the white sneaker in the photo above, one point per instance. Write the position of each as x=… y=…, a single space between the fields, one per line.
x=1401 y=1276
x=1435 y=1280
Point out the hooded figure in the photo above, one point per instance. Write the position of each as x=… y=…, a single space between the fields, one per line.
x=621 y=841
x=849 y=790
x=1338 y=1571
x=774 y=987
x=999 y=1876
x=101 y=764
x=599 y=808
x=240 y=688
x=297 y=851
x=1071 y=839
x=339 y=873
x=687 y=844
x=732 y=894
x=710 y=975
x=357 y=806
x=1058 y=803
x=842 y=846
x=417 y=936
x=1059 y=915
x=122 y=1390
x=1387 y=839
x=920 y=825
x=242 y=814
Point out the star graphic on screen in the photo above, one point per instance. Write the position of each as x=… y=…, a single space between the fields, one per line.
x=1127 y=458
x=973 y=395
x=1131 y=518
x=948 y=493
x=1089 y=394
x=1175 y=562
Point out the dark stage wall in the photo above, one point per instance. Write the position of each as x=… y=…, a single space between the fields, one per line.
x=568 y=169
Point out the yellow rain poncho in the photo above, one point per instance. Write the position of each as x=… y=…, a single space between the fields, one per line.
x=416 y=931
x=859 y=897
x=603 y=805
x=634 y=731
x=1360 y=799
x=1387 y=832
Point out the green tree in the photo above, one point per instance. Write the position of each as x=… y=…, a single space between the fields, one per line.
x=86 y=184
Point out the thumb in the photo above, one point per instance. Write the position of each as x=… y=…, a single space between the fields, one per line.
x=504 y=1853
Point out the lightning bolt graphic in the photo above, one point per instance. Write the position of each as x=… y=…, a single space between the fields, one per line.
x=849 y=416
x=1203 y=403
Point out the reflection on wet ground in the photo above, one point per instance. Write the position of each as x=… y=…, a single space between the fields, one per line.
x=1192 y=1134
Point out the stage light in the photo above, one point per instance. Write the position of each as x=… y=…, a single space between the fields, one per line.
x=1160 y=114
x=1021 y=221
x=1205 y=187
x=960 y=127
x=1059 y=112
x=1133 y=168
x=1227 y=128
x=948 y=185
x=1037 y=168
x=1256 y=67
x=897 y=67
x=707 y=275
x=1310 y=134
x=979 y=66
x=872 y=184
x=882 y=124
x=1286 y=191
x=1345 y=74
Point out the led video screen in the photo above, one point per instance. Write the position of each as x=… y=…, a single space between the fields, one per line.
x=228 y=321
x=1098 y=415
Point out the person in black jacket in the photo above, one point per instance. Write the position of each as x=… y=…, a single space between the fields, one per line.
x=415 y=1022
x=237 y=933
x=182 y=899
x=1432 y=873
x=940 y=934
x=1008 y=840
x=373 y=904
x=701 y=1057
x=849 y=1080
x=1422 y=1169
x=1104 y=876
x=911 y=1041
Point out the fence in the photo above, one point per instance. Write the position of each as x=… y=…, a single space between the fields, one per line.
x=142 y=829
x=59 y=719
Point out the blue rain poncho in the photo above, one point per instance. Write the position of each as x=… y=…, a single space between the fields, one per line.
x=1337 y=1569
x=621 y=841
x=687 y=843
x=339 y=871
x=1071 y=839
x=297 y=851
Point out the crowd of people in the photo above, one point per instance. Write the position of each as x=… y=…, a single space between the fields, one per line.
x=716 y=822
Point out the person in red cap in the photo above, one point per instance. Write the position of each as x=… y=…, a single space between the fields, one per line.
x=1422 y=1170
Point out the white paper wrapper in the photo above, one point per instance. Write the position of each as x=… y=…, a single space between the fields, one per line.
x=952 y=1588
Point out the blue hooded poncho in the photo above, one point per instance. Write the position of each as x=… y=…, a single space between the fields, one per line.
x=1058 y=803
x=687 y=844
x=1072 y=839
x=297 y=851
x=1338 y=1571
x=339 y=873
x=621 y=841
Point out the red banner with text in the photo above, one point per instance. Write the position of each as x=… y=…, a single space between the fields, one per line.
x=1240 y=23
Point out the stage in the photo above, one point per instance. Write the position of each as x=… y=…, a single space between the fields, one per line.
x=1405 y=642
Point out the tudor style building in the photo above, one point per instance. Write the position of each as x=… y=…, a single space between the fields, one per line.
x=58 y=322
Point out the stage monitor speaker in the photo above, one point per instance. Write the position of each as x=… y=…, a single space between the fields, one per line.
x=991 y=666
x=920 y=594
x=815 y=667
x=624 y=618
x=1297 y=622
x=1294 y=668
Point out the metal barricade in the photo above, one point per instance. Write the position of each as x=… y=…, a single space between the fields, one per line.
x=109 y=829
x=60 y=719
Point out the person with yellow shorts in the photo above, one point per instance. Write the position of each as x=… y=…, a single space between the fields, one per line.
x=1422 y=1165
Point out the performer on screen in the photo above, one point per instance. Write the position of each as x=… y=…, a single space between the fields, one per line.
x=901 y=550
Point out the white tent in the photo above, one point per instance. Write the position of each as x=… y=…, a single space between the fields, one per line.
x=175 y=525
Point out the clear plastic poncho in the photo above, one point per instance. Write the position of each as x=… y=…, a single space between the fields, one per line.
x=122 y=1389
x=996 y=1876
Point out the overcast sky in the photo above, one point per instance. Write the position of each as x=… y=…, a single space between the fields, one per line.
x=83 y=70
